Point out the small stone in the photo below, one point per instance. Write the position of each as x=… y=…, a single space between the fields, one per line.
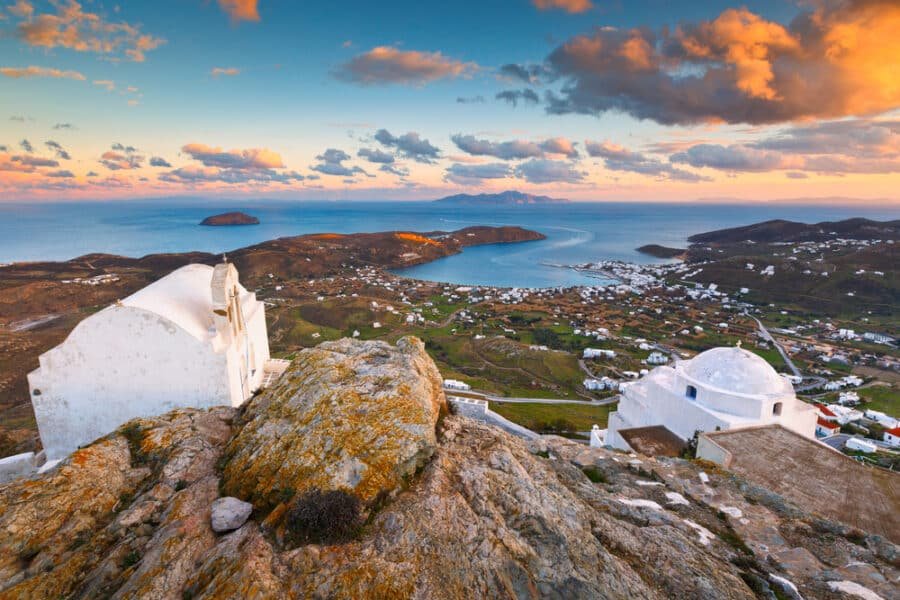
x=229 y=513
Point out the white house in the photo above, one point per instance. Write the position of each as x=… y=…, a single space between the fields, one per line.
x=598 y=353
x=657 y=358
x=826 y=428
x=455 y=384
x=195 y=338
x=891 y=436
x=722 y=388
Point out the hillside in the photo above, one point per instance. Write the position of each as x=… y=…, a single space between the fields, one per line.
x=508 y=198
x=441 y=507
x=777 y=231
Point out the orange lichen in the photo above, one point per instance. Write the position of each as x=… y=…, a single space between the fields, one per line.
x=419 y=239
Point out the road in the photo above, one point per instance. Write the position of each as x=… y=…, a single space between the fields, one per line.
x=492 y=398
x=768 y=337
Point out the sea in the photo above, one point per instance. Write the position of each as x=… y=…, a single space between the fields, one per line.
x=576 y=232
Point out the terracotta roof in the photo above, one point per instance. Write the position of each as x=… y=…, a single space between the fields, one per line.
x=825 y=410
x=830 y=424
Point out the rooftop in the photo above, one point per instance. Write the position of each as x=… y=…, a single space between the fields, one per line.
x=815 y=477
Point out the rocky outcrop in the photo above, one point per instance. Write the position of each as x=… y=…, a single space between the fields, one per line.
x=346 y=415
x=487 y=516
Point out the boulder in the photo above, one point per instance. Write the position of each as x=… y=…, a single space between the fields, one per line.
x=354 y=415
x=229 y=513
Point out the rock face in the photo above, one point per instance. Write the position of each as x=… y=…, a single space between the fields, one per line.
x=349 y=415
x=488 y=516
x=229 y=513
x=230 y=219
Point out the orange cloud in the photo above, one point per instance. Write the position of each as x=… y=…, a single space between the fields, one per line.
x=240 y=10
x=71 y=27
x=570 y=6
x=838 y=59
x=32 y=71
x=386 y=64
x=227 y=71
x=252 y=158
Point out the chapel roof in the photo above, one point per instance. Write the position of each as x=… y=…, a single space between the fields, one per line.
x=733 y=369
x=184 y=297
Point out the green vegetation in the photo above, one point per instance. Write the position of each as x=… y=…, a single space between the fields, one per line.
x=544 y=417
x=594 y=474
x=885 y=398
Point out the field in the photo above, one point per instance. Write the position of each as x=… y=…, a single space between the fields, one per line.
x=541 y=417
x=885 y=398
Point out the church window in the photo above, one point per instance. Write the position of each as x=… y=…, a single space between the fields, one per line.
x=691 y=392
x=776 y=409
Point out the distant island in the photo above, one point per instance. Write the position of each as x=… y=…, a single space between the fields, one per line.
x=230 y=219
x=508 y=198
x=661 y=251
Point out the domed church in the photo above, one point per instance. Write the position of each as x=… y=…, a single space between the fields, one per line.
x=722 y=388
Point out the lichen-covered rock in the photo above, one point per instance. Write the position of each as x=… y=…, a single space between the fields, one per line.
x=229 y=513
x=351 y=415
x=489 y=515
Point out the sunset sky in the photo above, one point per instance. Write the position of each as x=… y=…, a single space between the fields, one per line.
x=585 y=99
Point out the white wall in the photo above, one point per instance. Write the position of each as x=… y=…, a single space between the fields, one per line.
x=124 y=362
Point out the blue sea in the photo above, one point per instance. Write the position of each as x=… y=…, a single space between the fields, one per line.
x=576 y=233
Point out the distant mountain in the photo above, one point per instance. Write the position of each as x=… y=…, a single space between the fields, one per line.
x=502 y=199
x=790 y=231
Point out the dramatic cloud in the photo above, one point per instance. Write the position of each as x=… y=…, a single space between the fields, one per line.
x=410 y=145
x=21 y=9
x=570 y=6
x=32 y=71
x=837 y=59
x=63 y=173
x=526 y=95
x=240 y=10
x=226 y=71
x=541 y=170
x=376 y=156
x=156 y=161
x=60 y=151
x=387 y=65
x=514 y=149
x=252 y=158
x=71 y=27
x=472 y=174
x=26 y=146
x=838 y=147
x=331 y=162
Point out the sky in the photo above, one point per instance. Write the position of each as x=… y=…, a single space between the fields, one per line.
x=644 y=100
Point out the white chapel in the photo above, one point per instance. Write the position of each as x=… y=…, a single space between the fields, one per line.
x=195 y=338
x=721 y=388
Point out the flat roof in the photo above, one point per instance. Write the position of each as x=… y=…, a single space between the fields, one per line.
x=816 y=477
x=655 y=440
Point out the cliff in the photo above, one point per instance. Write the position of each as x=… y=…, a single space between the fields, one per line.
x=451 y=508
x=229 y=219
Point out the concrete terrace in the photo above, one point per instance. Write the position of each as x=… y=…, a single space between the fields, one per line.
x=815 y=476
